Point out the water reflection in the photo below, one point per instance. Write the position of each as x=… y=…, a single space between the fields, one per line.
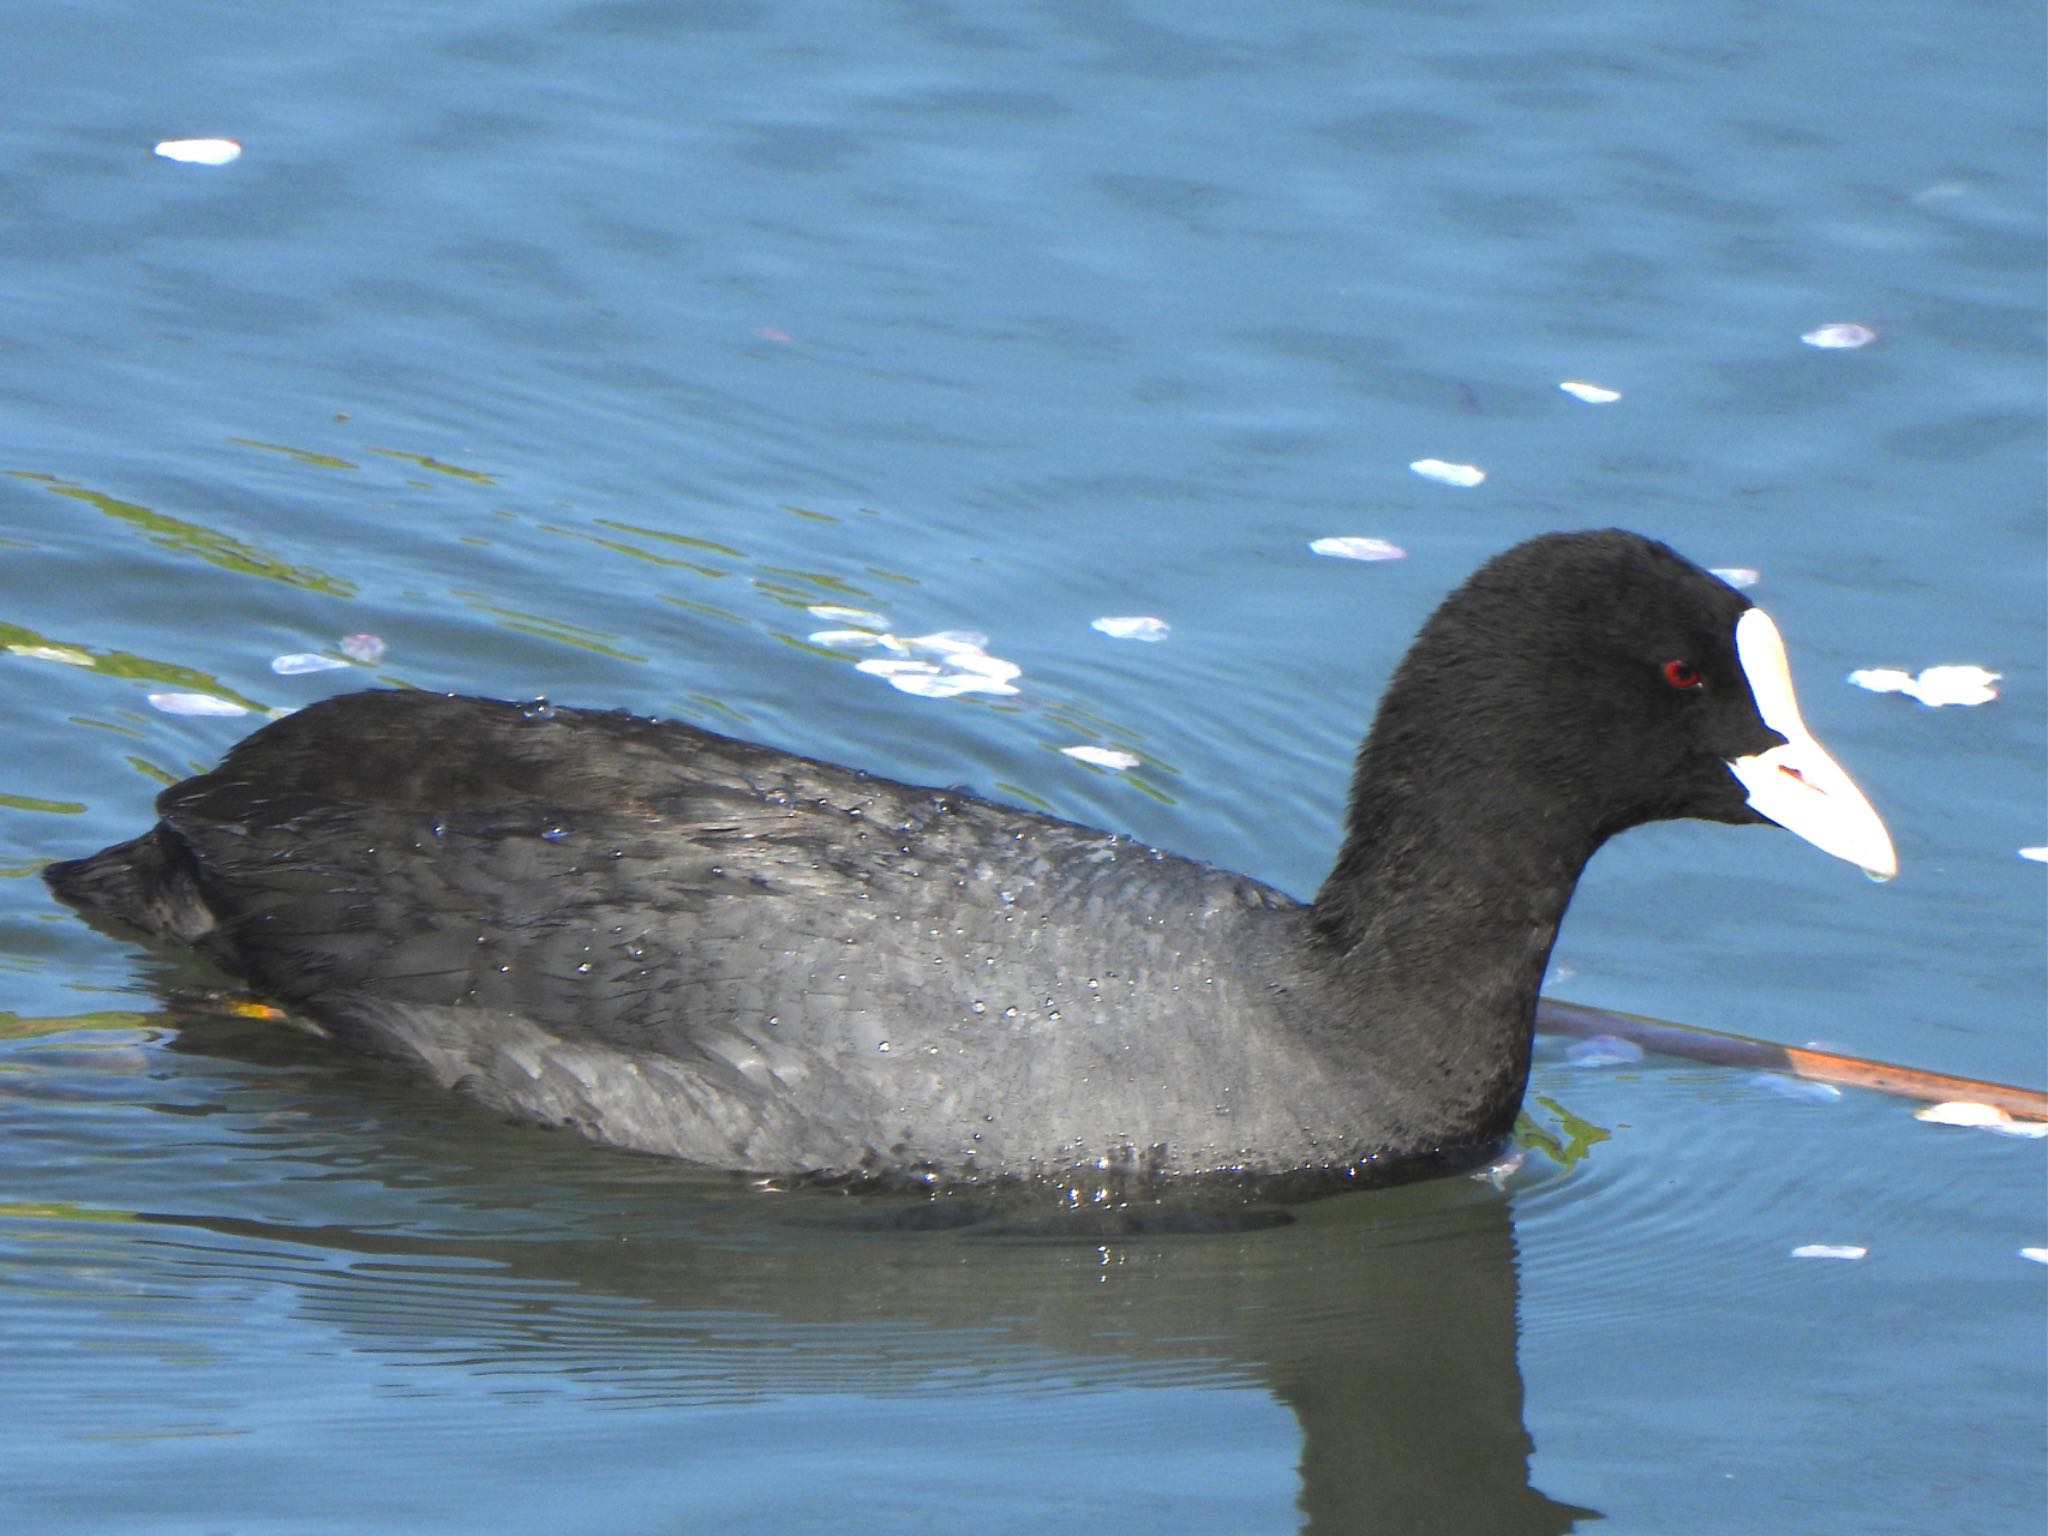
x=766 y=590
x=188 y=538
x=33 y=645
x=1386 y=1322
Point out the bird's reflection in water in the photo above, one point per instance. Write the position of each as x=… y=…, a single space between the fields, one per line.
x=1385 y=1320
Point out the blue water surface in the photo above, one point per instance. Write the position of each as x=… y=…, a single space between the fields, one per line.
x=584 y=350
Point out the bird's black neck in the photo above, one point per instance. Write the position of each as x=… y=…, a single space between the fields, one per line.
x=1431 y=936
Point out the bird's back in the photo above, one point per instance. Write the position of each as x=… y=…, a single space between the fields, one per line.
x=699 y=946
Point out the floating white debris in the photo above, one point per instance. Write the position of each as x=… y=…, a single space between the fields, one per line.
x=1884 y=679
x=1840 y=336
x=962 y=649
x=1987 y=1117
x=849 y=639
x=200 y=151
x=2038 y=855
x=195 y=704
x=1603 y=1051
x=1356 y=547
x=364 y=648
x=2038 y=1255
x=1446 y=473
x=1737 y=575
x=1804 y=1088
x=948 y=641
x=934 y=666
x=1935 y=686
x=63 y=653
x=2026 y=1130
x=1143 y=627
x=942 y=664
x=919 y=677
x=1592 y=394
x=1829 y=1251
x=304 y=661
x=929 y=680
x=1103 y=757
x=991 y=669
x=1961 y=1112
x=838 y=615
x=1957 y=685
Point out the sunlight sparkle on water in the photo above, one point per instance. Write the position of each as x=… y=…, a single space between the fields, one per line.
x=1356 y=547
x=838 y=615
x=299 y=662
x=195 y=704
x=940 y=665
x=69 y=656
x=1142 y=627
x=1103 y=757
x=200 y=151
x=1446 y=473
x=1985 y=1117
x=1842 y=335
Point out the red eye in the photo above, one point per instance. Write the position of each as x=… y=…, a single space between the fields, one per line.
x=1682 y=674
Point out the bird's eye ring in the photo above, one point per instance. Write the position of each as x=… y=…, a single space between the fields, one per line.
x=1683 y=675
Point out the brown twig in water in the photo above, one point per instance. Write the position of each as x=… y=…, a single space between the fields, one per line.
x=1560 y=1018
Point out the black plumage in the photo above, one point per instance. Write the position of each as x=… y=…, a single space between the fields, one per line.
x=693 y=945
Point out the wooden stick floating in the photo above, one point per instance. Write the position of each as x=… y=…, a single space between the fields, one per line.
x=1559 y=1018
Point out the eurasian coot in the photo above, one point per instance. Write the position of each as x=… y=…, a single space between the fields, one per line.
x=692 y=945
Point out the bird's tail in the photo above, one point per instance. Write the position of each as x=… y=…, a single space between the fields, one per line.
x=149 y=883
